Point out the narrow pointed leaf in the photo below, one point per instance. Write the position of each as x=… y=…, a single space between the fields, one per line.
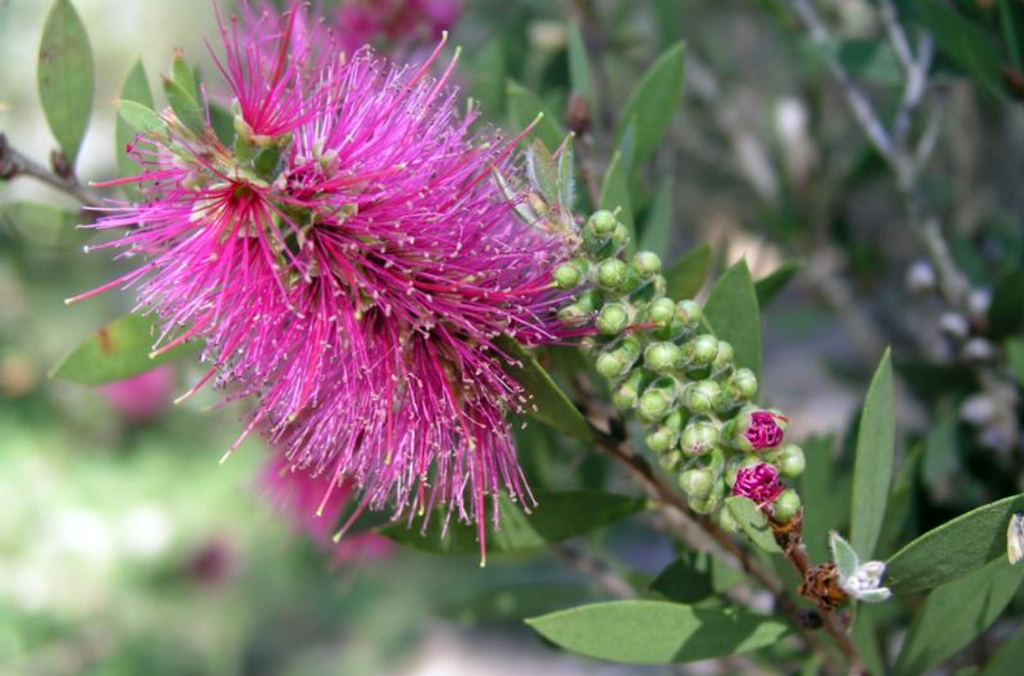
x=135 y=88
x=753 y=522
x=1006 y=313
x=184 y=76
x=686 y=276
x=657 y=632
x=657 y=232
x=1009 y=657
x=558 y=516
x=954 y=549
x=963 y=42
x=615 y=193
x=141 y=118
x=733 y=313
x=185 y=106
x=65 y=77
x=524 y=106
x=580 y=76
x=695 y=576
x=550 y=405
x=873 y=466
x=566 y=177
x=955 y=613
x=543 y=171
x=1015 y=356
x=775 y=282
x=654 y=103
x=117 y=351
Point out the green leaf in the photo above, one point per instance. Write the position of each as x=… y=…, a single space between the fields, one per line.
x=657 y=632
x=65 y=77
x=135 y=88
x=872 y=60
x=543 y=173
x=823 y=510
x=753 y=522
x=566 y=177
x=1006 y=313
x=223 y=124
x=558 y=516
x=733 y=313
x=654 y=102
x=524 y=106
x=44 y=225
x=1007 y=660
x=185 y=106
x=515 y=602
x=687 y=275
x=657 y=232
x=141 y=118
x=580 y=76
x=963 y=42
x=872 y=470
x=615 y=193
x=843 y=556
x=695 y=576
x=865 y=638
x=954 y=549
x=772 y=285
x=117 y=351
x=550 y=404
x=1015 y=356
x=955 y=613
x=184 y=77
x=1011 y=20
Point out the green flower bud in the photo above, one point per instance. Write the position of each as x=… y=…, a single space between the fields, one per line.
x=790 y=461
x=662 y=357
x=572 y=315
x=655 y=403
x=697 y=483
x=671 y=460
x=613 y=319
x=647 y=264
x=661 y=311
x=744 y=382
x=689 y=313
x=567 y=275
x=701 y=350
x=675 y=420
x=621 y=235
x=631 y=346
x=628 y=393
x=658 y=285
x=661 y=440
x=589 y=300
x=724 y=356
x=603 y=222
x=786 y=506
x=701 y=396
x=612 y=273
x=699 y=438
x=613 y=364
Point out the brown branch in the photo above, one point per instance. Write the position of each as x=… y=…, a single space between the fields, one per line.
x=14 y=164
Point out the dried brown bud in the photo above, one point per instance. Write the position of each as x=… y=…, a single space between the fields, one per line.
x=578 y=114
x=821 y=585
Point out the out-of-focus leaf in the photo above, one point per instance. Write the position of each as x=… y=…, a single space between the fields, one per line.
x=141 y=118
x=615 y=193
x=566 y=177
x=184 y=76
x=543 y=173
x=223 y=124
x=940 y=454
x=1006 y=313
x=1011 y=23
x=654 y=102
x=818 y=495
x=185 y=106
x=872 y=60
x=963 y=42
x=733 y=312
x=514 y=603
x=135 y=88
x=558 y=516
x=657 y=632
x=955 y=613
x=873 y=466
x=932 y=382
x=954 y=549
x=119 y=350
x=580 y=76
x=865 y=637
x=549 y=404
x=695 y=576
x=1009 y=657
x=775 y=282
x=687 y=275
x=657 y=231
x=524 y=105
x=753 y=522
x=1015 y=356
x=65 y=77
x=44 y=225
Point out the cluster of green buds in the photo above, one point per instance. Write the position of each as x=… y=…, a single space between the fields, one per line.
x=664 y=364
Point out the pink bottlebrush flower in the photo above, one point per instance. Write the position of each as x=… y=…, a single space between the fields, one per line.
x=300 y=497
x=141 y=398
x=764 y=430
x=758 y=482
x=349 y=268
x=404 y=24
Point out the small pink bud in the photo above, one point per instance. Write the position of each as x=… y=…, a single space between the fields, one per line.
x=758 y=482
x=765 y=430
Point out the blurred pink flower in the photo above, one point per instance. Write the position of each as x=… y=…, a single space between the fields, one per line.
x=141 y=398
x=403 y=24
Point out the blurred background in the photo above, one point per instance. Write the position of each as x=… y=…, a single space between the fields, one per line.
x=125 y=548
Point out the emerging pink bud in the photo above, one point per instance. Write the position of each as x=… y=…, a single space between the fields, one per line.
x=764 y=430
x=141 y=398
x=758 y=482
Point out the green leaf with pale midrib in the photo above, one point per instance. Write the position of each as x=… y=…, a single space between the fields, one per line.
x=117 y=351
x=65 y=77
x=873 y=466
x=733 y=313
x=654 y=103
x=558 y=516
x=657 y=632
x=954 y=549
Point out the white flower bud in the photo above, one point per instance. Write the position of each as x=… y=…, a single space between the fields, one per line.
x=921 y=277
x=978 y=409
x=954 y=324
